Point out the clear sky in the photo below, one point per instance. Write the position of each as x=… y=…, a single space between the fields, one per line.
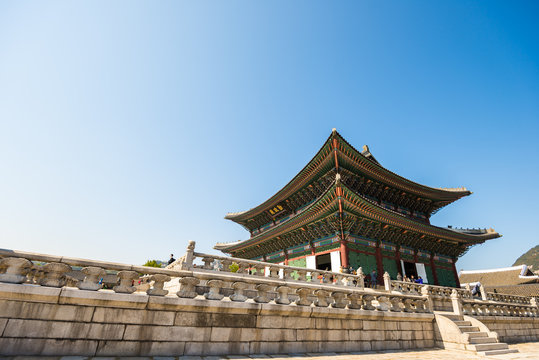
x=129 y=128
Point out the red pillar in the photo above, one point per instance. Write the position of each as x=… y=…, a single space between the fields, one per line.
x=285 y=257
x=455 y=273
x=433 y=268
x=398 y=260
x=344 y=254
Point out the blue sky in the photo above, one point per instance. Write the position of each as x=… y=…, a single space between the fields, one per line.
x=129 y=128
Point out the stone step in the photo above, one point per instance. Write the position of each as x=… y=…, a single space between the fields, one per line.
x=487 y=347
x=497 y=352
x=462 y=323
x=467 y=329
x=482 y=340
x=477 y=334
x=453 y=317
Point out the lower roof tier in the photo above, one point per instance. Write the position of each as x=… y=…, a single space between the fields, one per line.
x=341 y=211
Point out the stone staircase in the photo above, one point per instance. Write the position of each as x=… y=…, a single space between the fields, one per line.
x=473 y=338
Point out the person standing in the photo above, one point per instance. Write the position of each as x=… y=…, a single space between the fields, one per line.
x=171 y=259
x=374 y=279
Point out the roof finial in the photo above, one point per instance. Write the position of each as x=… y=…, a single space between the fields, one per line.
x=366 y=148
x=337 y=178
x=334 y=130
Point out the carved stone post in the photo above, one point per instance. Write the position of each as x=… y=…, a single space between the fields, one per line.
x=314 y=277
x=187 y=287
x=483 y=292
x=302 y=275
x=213 y=293
x=158 y=283
x=367 y=302
x=126 y=279
x=321 y=298
x=354 y=300
x=91 y=279
x=225 y=263
x=208 y=263
x=339 y=300
x=395 y=302
x=55 y=274
x=187 y=264
x=383 y=303
x=426 y=293
x=287 y=274
x=361 y=278
x=263 y=296
x=260 y=269
x=303 y=297
x=456 y=302
x=15 y=270
x=408 y=305
x=387 y=281
x=239 y=288
x=274 y=272
x=282 y=297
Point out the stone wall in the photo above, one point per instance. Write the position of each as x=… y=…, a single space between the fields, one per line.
x=512 y=329
x=39 y=320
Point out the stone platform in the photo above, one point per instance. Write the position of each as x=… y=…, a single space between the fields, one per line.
x=527 y=351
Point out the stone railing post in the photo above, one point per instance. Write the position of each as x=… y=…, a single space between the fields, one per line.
x=367 y=302
x=239 y=288
x=483 y=292
x=361 y=279
x=92 y=278
x=426 y=293
x=321 y=298
x=158 y=283
x=208 y=263
x=302 y=275
x=282 y=297
x=387 y=281
x=187 y=263
x=213 y=293
x=225 y=263
x=126 y=279
x=260 y=269
x=55 y=274
x=456 y=302
x=395 y=302
x=383 y=303
x=339 y=300
x=187 y=287
x=303 y=297
x=355 y=300
x=263 y=296
x=15 y=270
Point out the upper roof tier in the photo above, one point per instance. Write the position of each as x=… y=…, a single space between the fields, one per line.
x=362 y=216
x=361 y=172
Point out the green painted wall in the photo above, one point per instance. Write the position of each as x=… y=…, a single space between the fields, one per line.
x=430 y=277
x=390 y=265
x=446 y=277
x=367 y=262
x=298 y=263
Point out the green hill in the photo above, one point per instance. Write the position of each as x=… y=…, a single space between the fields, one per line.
x=530 y=257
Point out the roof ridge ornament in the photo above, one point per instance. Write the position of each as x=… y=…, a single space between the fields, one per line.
x=338 y=179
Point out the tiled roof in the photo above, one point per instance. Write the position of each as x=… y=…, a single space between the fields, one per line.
x=521 y=290
x=515 y=275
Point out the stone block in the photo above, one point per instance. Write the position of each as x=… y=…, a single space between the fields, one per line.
x=283 y=347
x=372 y=335
x=196 y=319
x=373 y=325
x=18 y=328
x=352 y=324
x=275 y=334
x=202 y=305
x=325 y=323
x=166 y=333
x=136 y=348
x=217 y=348
x=224 y=334
x=233 y=320
x=391 y=325
x=266 y=321
x=309 y=335
x=47 y=347
x=130 y=316
x=405 y=325
x=3 y=323
x=322 y=335
x=105 y=298
x=31 y=293
x=42 y=311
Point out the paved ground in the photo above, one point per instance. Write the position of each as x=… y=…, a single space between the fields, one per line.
x=527 y=351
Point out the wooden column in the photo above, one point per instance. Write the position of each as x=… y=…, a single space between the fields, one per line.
x=379 y=264
x=455 y=273
x=433 y=268
x=285 y=257
x=398 y=260
x=344 y=254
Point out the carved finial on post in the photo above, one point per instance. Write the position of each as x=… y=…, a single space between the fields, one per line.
x=387 y=281
x=187 y=264
x=14 y=270
x=361 y=280
x=483 y=292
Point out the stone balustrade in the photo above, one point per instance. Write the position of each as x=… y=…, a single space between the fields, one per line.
x=222 y=278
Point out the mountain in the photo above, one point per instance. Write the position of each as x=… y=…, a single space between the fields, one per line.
x=530 y=257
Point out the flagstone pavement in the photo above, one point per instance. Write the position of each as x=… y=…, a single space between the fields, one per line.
x=527 y=351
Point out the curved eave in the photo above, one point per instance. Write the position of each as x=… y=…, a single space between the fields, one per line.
x=370 y=168
x=361 y=207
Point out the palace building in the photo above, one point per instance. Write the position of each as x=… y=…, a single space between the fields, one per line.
x=345 y=209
